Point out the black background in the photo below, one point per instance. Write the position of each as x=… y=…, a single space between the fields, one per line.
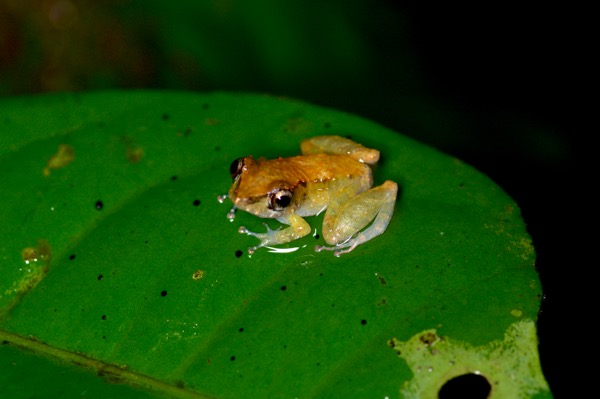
x=501 y=60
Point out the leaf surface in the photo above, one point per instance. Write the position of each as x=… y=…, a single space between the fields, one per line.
x=117 y=256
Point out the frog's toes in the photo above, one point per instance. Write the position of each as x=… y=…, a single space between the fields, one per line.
x=270 y=231
x=319 y=248
x=231 y=214
x=260 y=236
x=340 y=252
x=339 y=249
x=222 y=198
x=251 y=250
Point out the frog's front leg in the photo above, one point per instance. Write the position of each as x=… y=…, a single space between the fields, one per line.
x=343 y=221
x=298 y=228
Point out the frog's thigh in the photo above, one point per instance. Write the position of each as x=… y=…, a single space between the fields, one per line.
x=350 y=217
x=339 y=145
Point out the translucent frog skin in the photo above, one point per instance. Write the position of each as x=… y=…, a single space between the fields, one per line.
x=331 y=174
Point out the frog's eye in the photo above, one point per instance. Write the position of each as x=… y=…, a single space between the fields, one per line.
x=280 y=199
x=236 y=167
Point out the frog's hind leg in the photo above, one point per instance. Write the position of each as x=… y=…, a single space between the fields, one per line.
x=339 y=146
x=342 y=224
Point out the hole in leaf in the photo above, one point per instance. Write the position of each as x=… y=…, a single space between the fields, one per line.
x=466 y=386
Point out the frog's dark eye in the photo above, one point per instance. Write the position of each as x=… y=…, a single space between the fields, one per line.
x=280 y=199
x=236 y=167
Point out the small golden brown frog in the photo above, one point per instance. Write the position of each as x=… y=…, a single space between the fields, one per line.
x=331 y=174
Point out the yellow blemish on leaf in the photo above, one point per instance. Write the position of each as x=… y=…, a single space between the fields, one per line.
x=133 y=152
x=511 y=366
x=64 y=156
x=527 y=248
x=532 y=284
x=31 y=272
x=135 y=155
x=34 y=254
x=516 y=312
x=198 y=274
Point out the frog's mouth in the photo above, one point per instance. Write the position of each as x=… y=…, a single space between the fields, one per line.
x=234 y=188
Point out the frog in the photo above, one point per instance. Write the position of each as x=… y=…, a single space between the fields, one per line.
x=333 y=175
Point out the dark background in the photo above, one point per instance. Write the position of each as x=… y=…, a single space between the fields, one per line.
x=496 y=85
x=524 y=61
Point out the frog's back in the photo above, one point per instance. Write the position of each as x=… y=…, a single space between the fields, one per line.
x=324 y=167
x=265 y=175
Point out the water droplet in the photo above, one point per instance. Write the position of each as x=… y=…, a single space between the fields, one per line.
x=276 y=250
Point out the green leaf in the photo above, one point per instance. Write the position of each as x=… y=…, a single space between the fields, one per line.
x=118 y=258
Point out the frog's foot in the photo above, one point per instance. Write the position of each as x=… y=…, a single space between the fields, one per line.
x=342 y=225
x=344 y=247
x=297 y=228
x=265 y=238
x=231 y=213
x=221 y=198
